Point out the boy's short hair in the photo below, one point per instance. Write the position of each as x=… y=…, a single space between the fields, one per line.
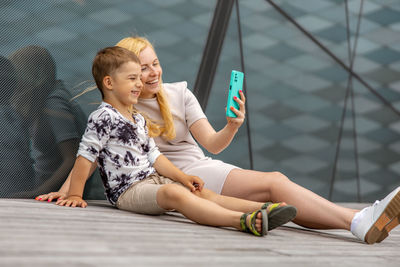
x=107 y=60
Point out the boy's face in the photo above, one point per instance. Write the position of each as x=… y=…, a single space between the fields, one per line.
x=126 y=83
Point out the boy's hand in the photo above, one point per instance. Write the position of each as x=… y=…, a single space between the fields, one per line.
x=51 y=196
x=193 y=183
x=72 y=201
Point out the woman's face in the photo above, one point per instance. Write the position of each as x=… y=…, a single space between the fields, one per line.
x=151 y=73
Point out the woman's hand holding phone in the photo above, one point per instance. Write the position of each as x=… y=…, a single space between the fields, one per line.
x=235 y=112
x=238 y=121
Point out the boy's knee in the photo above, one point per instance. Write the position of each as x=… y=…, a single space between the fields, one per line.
x=171 y=192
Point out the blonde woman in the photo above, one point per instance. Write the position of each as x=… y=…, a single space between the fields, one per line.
x=177 y=116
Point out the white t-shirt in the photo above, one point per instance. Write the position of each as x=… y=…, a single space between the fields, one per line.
x=183 y=151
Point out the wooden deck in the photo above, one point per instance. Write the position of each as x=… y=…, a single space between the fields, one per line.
x=42 y=234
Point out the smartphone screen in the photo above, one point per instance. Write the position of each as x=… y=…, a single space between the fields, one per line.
x=235 y=85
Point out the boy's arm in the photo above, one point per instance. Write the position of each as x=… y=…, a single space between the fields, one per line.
x=79 y=174
x=63 y=191
x=165 y=167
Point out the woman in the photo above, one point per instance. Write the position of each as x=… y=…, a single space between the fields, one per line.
x=177 y=115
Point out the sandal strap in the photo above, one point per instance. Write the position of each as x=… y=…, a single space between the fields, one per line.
x=251 y=227
x=273 y=206
x=266 y=204
x=243 y=222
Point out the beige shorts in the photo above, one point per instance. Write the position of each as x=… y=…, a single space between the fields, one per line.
x=141 y=197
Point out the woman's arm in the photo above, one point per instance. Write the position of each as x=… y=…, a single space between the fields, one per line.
x=213 y=141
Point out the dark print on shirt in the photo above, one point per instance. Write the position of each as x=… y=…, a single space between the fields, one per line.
x=142 y=174
x=126 y=133
x=145 y=147
x=115 y=159
x=122 y=179
x=92 y=151
x=129 y=159
x=100 y=126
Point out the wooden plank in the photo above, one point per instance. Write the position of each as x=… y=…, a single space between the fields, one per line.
x=36 y=233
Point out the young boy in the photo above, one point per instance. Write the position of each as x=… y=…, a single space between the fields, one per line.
x=134 y=172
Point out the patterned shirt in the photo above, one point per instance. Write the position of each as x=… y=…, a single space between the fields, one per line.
x=123 y=150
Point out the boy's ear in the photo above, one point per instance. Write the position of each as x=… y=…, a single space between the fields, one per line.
x=107 y=82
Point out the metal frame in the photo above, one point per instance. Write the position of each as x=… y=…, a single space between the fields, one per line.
x=212 y=51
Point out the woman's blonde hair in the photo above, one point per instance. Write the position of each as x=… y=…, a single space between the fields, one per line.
x=166 y=129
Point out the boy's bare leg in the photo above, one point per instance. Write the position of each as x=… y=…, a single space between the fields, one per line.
x=202 y=211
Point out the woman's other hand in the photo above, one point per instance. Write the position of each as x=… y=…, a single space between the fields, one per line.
x=51 y=196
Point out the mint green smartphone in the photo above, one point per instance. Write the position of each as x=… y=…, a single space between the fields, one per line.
x=235 y=85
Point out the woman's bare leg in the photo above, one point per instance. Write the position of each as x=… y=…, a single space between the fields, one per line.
x=313 y=211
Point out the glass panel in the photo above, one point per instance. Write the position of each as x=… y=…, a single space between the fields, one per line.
x=296 y=92
x=52 y=45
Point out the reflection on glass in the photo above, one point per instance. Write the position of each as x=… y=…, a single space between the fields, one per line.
x=54 y=121
x=15 y=163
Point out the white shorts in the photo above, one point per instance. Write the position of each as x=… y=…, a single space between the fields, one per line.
x=213 y=172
